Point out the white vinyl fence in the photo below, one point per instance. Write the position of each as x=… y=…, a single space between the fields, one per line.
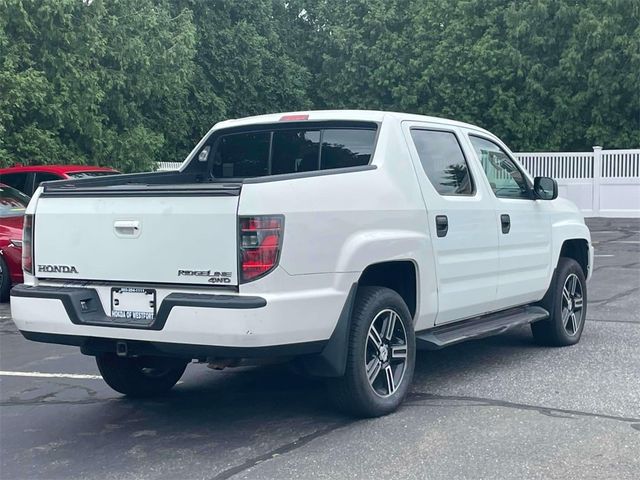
x=603 y=183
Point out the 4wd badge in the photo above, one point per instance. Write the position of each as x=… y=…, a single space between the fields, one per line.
x=220 y=277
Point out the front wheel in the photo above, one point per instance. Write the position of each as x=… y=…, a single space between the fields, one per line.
x=140 y=376
x=381 y=356
x=567 y=307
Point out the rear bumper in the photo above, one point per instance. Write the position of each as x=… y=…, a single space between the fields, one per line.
x=301 y=316
x=83 y=305
x=95 y=346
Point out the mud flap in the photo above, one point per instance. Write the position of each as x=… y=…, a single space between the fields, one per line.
x=332 y=361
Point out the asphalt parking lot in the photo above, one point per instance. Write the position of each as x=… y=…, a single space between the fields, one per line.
x=496 y=408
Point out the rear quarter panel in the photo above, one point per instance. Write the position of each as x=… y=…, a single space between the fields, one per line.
x=340 y=223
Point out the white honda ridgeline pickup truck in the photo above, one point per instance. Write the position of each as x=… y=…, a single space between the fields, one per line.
x=341 y=240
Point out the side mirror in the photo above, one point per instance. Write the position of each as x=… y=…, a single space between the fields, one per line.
x=545 y=188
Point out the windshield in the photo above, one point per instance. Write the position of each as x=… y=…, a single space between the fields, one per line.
x=12 y=202
x=95 y=173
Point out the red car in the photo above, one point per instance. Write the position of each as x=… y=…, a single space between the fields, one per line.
x=27 y=178
x=12 y=206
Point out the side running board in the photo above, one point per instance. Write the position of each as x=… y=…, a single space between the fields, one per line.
x=478 y=327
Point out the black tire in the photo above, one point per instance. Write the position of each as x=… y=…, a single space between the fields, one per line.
x=353 y=392
x=140 y=376
x=5 y=281
x=567 y=312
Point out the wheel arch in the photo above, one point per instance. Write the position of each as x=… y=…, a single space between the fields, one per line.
x=571 y=238
x=400 y=276
x=577 y=249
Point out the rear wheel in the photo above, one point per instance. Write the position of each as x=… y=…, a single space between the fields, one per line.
x=5 y=280
x=381 y=357
x=140 y=376
x=567 y=307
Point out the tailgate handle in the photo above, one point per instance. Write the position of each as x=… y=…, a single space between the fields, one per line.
x=127 y=228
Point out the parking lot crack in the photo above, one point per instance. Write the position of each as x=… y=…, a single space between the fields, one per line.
x=289 y=447
x=602 y=320
x=415 y=397
x=614 y=297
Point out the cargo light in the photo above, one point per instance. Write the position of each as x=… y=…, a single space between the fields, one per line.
x=294 y=118
x=260 y=245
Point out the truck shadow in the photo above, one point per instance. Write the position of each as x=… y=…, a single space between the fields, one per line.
x=225 y=418
x=272 y=394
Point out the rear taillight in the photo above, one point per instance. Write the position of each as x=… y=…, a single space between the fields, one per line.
x=260 y=244
x=27 y=244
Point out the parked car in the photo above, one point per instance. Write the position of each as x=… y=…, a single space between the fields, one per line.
x=12 y=206
x=346 y=240
x=27 y=178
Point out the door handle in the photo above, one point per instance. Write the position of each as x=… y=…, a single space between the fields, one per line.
x=442 y=225
x=505 y=220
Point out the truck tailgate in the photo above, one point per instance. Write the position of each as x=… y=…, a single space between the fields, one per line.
x=190 y=239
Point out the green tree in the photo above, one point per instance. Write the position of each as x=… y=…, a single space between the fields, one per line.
x=242 y=66
x=129 y=82
x=104 y=83
x=545 y=74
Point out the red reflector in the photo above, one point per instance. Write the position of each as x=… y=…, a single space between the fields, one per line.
x=293 y=118
x=260 y=244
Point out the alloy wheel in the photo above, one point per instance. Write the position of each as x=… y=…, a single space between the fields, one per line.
x=386 y=353
x=572 y=304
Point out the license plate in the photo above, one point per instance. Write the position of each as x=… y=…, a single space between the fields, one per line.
x=133 y=304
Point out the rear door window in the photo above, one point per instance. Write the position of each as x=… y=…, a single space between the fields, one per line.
x=283 y=150
x=443 y=161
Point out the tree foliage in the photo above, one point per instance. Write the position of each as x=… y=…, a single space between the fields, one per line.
x=542 y=74
x=129 y=82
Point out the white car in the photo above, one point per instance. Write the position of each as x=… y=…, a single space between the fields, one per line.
x=345 y=240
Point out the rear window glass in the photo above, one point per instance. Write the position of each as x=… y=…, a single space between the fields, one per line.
x=347 y=148
x=288 y=150
x=295 y=151
x=242 y=155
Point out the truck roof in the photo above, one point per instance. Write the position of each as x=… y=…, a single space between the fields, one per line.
x=353 y=115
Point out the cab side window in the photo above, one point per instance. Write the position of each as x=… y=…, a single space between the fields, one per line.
x=443 y=161
x=505 y=178
x=19 y=181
